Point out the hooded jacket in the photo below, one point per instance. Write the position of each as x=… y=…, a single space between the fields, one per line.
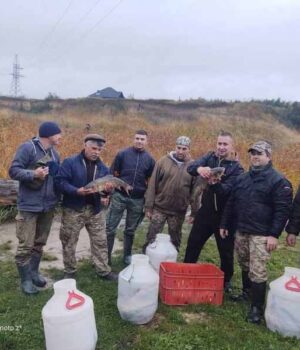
x=170 y=186
x=44 y=197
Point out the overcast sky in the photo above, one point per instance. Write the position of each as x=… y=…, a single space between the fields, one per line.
x=228 y=49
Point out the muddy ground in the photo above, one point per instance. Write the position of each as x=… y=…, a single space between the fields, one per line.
x=53 y=249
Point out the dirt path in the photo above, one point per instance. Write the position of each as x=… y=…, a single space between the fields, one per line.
x=53 y=248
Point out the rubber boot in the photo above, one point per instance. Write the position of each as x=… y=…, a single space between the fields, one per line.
x=128 y=241
x=111 y=276
x=228 y=287
x=245 y=295
x=110 y=245
x=37 y=279
x=68 y=275
x=26 y=281
x=258 y=294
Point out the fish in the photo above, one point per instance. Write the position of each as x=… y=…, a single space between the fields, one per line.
x=37 y=183
x=201 y=184
x=100 y=184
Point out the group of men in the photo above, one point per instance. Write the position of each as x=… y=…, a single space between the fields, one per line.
x=245 y=209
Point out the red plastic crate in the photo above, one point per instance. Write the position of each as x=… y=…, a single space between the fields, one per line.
x=181 y=283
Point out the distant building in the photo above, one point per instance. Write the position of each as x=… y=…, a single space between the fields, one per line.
x=108 y=93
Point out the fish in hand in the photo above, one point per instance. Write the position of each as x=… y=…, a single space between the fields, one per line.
x=101 y=184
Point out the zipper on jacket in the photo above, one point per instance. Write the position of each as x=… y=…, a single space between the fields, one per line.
x=135 y=171
x=215 y=195
x=46 y=186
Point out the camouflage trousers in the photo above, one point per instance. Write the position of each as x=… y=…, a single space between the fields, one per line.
x=252 y=255
x=32 y=230
x=157 y=223
x=71 y=224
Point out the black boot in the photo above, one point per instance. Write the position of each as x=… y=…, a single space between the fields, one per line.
x=26 y=281
x=110 y=245
x=228 y=287
x=70 y=275
x=128 y=241
x=258 y=294
x=245 y=295
x=37 y=279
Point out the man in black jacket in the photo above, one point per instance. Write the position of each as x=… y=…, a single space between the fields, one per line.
x=259 y=204
x=134 y=165
x=293 y=227
x=207 y=219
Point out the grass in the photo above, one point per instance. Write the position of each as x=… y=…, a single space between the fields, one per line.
x=192 y=327
x=4 y=247
x=7 y=213
x=49 y=257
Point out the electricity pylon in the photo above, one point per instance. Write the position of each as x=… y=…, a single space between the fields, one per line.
x=15 y=89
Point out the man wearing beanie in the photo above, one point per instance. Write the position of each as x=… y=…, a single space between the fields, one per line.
x=34 y=166
x=84 y=207
x=259 y=204
x=169 y=193
x=206 y=219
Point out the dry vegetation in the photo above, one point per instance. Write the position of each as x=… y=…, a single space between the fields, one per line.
x=202 y=125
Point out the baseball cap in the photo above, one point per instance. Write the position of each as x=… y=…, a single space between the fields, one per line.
x=183 y=141
x=261 y=146
x=94 y=137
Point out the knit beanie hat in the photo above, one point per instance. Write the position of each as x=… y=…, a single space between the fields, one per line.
x=48 y=129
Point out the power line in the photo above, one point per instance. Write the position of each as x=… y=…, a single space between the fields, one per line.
x=76 y=24
x=87 y=13
x=42 y=53
x=84 y=35
x=47 y=36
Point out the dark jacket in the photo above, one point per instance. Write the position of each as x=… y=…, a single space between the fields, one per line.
x=260 y=203
x=293 y=226
x=72 y=175
x=170 y=186
x=135 y=168
x=215 y=196
x=22 y=168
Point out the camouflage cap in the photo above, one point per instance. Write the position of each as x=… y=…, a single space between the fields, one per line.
x=94 y=137
x=183 y=141
x=261 y=146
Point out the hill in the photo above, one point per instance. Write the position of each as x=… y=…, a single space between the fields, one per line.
x=163 y=119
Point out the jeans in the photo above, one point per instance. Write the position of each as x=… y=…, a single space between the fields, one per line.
x=134 y=215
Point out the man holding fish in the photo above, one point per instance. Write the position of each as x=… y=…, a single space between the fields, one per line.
x=206 y=220
x=34 y=166
x=84 y=205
